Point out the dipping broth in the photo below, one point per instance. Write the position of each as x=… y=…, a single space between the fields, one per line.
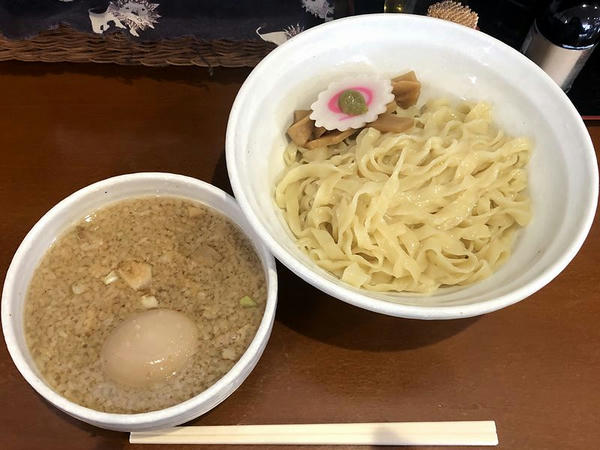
x=141 y=281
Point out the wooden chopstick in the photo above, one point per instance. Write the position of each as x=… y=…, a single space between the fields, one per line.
x=387 y=433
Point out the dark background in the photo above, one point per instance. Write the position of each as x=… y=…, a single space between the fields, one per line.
x=509 y=21
x=207 y=19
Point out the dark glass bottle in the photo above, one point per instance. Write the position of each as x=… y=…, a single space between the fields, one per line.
x=563 y=37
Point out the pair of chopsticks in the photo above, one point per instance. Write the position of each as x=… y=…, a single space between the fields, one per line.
x=387 y=433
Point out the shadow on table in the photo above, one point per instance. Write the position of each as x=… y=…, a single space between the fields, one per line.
x=220 y=178
x=103 y=439
x=312 y=313
x=197 y=76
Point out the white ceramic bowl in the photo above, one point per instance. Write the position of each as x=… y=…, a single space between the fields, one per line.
x=72 y=209
x=449 y=59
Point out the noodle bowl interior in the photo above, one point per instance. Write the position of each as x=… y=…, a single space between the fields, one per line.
x=434 y=203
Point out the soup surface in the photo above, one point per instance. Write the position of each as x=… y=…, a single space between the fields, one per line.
x=139 y=255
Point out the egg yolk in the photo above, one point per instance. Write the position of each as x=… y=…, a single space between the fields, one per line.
x=149 y=347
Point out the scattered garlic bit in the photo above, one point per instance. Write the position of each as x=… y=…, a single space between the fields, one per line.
x=87 y=239
x=211 y=311
x=194 y=211
x=149 y=301
x=49 y=274
x=78 y=288
x=206 y=255
x=137 y=275
x=99 y=270
x=247 y=302
x=166 y=257
x=393 y=123
x=228 y=353
x=90 y=320
x=330 y=138
x=110 y=278
x=97 y=243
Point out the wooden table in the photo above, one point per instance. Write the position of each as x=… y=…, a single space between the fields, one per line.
x=533 y=367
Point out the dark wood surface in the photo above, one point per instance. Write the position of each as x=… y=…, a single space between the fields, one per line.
x=534 y=367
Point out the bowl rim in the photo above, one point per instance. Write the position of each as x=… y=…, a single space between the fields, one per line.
x=198 y=402
x=354 y=297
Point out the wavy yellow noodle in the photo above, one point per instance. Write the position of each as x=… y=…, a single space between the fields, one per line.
x=435 y=206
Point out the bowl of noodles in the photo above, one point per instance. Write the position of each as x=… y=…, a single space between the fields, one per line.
x=411 y=166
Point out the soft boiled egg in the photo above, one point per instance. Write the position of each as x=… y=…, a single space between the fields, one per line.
x=149 y=347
